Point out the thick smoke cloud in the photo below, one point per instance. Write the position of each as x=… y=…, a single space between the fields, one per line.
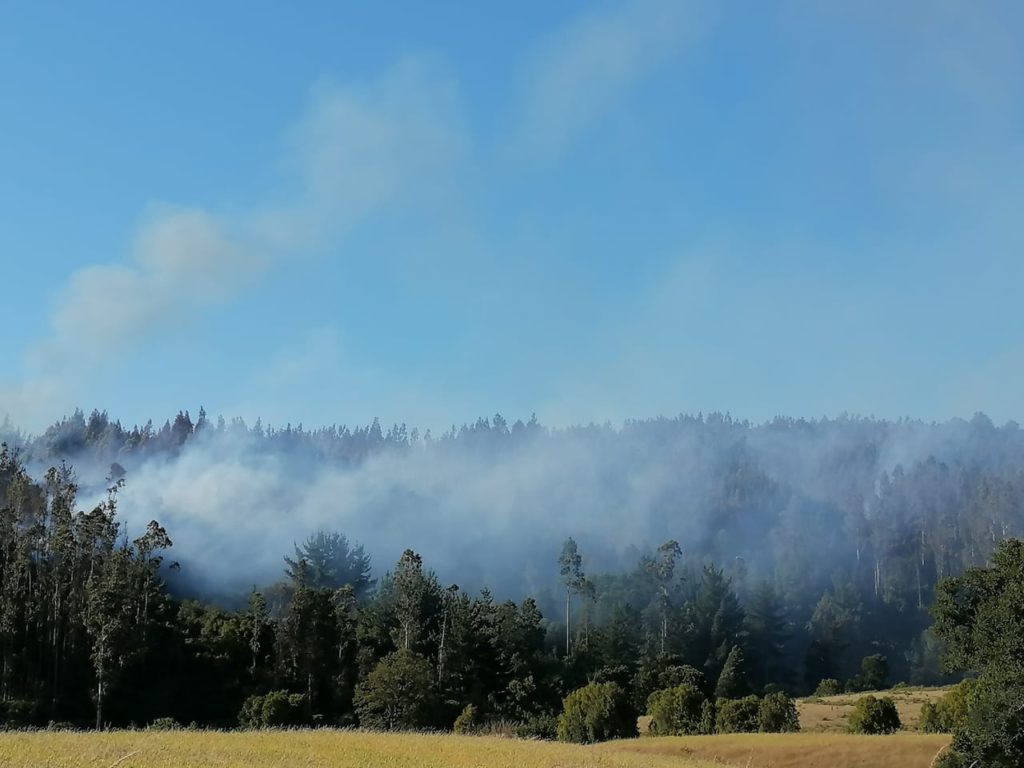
x=491 y=508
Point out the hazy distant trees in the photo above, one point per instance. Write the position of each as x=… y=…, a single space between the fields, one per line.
x=89 y=633
x=330 y=561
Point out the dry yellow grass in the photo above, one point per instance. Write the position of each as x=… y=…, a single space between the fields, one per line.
x=794 y=750
x=345 y=749
x=313 y=749
x=352 y=749
x=831 y=713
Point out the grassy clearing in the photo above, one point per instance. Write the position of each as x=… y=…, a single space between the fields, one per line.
x=829 y=714
x=309 y=749
x=352 y=749
x=796 y=750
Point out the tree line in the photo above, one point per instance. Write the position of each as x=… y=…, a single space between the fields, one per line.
x=89 y=633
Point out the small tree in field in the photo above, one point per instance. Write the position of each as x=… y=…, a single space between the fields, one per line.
x=872 y=715
x=778 y=714
x=596 y=712
x=679 y=711
x=738 y=715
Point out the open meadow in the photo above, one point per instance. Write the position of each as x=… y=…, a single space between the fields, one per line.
x=354 y=749
x=830 y=714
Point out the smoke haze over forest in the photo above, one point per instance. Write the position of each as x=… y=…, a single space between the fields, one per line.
x=489 y=504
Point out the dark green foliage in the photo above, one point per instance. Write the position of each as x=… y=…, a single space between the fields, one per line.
x=330 y=561
x=538 y=727
x=778 y=714
x=660 y=672
x=164 y=724
x=733 y=683
x=994 y=726
x=978 y=616
x=738 y=715
x=467 y=722
x=274 y=710
x=873 y=715
x=680 y=711
x=398 y=694
x=828 y=687
x=874 y=672
x=597 y=712
x=87 y=627
x=949 y=713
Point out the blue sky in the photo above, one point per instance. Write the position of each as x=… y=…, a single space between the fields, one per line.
x=428 y=212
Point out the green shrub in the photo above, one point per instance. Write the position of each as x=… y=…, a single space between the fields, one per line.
x=738 y=715
x=930 y=720
x=164 y=724
x=596 y=712
x=538 y=727
x=273 y=710
x=778 y=714
x=874 y=672
x=680 y=711
x=949 y=713
x=732 y=681
x=828 y=687
x=467 y=722
x=657 y=675
x=18 y=713
x=992 y=730
x=872 y=715
x=707 y=717
x=397 y=694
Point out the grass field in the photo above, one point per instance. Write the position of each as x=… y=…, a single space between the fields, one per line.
x=795 y=750
x=822 y=743
x=352 y=749
x=831 y=713
x=309 y=749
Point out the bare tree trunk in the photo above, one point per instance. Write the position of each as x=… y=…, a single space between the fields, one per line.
x=567 y=623
x=99 y=702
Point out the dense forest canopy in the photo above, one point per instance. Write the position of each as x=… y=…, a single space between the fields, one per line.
x=778 y=554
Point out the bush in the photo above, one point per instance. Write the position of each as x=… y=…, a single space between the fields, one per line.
x=164 y=724
x=596 y=712
x=680 y=711
x=828 y=687
x=738 y=715
x=18 y=713
x=992 y=730
x=874 y=716
x=273 y=710
x=538 y=727
x=707 y=717
x=949 y=713
x=397 y=694
x=657 y=675
x=874 y=672
x=467 y=722
x=778 y=714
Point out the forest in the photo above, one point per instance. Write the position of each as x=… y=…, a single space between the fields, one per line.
x=741 y=558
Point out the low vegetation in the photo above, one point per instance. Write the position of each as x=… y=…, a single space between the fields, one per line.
x=875 y=716
x=326 y=748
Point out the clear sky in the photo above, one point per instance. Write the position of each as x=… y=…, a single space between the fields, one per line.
x=428 y=212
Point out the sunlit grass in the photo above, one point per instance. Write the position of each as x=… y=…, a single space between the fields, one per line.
x=355 y=749
x=306 y=749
